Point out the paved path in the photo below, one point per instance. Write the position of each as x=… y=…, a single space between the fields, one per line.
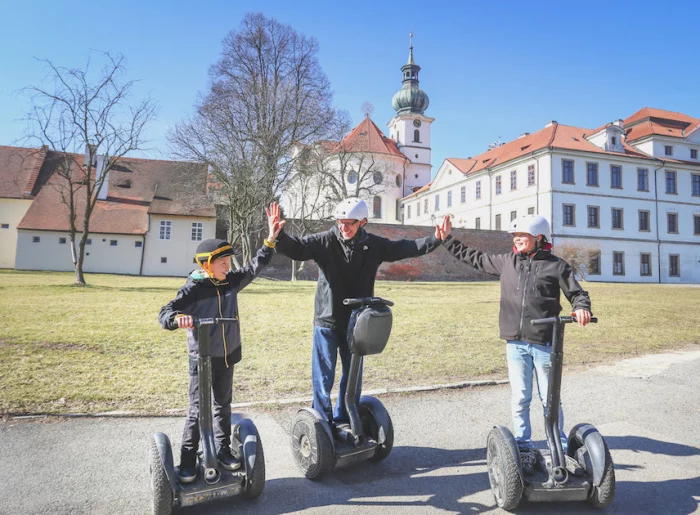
x=648 y=409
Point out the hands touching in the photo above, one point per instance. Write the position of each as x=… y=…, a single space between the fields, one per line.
x=274 y=221
x=443 y=230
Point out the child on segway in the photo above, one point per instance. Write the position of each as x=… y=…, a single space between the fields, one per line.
x=532 y=279
x=212 y=291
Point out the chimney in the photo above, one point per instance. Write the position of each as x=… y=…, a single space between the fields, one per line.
x=549 y=124
x=523 y=135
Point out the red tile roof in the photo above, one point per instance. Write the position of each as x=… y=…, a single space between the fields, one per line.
x=19 y=171
x=136 y=188
x=649 y=121
x=367 y=137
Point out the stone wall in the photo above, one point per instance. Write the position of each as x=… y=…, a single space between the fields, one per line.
x=436 y=266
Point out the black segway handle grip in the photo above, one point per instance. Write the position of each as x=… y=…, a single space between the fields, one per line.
x=366 y=301
x=211 y=321
x=563 y=320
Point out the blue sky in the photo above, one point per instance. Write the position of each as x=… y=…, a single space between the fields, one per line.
x=491 y=69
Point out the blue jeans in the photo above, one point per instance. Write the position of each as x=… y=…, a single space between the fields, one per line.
x=327 y=344
x=522 y=359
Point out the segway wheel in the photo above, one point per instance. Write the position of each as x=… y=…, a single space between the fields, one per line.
x=602 y=495
x=371 y=428
x=506 y=486
x=311 y=447
x=160 y=486
x=256 y=484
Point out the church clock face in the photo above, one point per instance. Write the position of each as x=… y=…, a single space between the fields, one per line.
x=416 y=123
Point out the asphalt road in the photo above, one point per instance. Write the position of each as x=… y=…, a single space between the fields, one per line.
x=648 y=410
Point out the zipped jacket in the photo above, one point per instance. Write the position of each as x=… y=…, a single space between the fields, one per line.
x=531 y=288
x=347 y=269
x=203 y=297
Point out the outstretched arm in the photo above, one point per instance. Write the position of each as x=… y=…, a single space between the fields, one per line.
x=489 y=263
x=274 y=221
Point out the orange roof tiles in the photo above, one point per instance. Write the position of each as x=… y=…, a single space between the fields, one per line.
x=649 y=121
x=367 y=137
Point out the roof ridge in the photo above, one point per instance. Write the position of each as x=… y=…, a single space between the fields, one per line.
x=40 y=157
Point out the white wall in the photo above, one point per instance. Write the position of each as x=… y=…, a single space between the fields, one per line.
x=11 y=213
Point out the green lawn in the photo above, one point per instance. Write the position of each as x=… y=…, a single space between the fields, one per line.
x=65 y=349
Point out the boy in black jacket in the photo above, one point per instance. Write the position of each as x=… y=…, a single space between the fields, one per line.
x=532 y=280
x=212 y=292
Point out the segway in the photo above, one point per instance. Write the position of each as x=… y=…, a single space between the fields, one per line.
x=213 y=481
x=319 y=447
x=587 y=474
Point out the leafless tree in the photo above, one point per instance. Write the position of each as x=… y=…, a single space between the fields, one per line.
x=268 y=93
x=578 y=256
x=87 y=119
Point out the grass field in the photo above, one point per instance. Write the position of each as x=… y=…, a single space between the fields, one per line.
x=66 y=349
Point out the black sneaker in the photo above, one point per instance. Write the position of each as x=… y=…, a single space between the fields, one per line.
x=226 y=458
x=188 y=466
x=528 y=461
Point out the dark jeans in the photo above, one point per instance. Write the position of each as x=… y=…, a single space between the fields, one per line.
x=222 y=386
x=327 y=344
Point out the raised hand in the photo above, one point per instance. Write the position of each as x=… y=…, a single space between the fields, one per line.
x=443 y=230
x=274 y=221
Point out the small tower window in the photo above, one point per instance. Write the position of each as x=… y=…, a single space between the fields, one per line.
x=377 y=211
x=416 y=136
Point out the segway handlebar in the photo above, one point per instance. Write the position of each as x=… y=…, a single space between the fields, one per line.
x=366 y=301
x=211 y=321
x=563 y=320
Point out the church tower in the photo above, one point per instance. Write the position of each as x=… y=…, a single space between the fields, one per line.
x=410 y=128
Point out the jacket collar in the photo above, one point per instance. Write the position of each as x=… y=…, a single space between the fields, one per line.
x=541 y=253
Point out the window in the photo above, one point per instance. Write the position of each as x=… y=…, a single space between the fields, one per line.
x=671 y=182
x=592 y=174
x=668 y=150
x=594 y=263
x=695 y=185
x=437 y=202
x=163 y=260
x=477 y=223
x=593 y=219
x=449 y=199
x=531 y=175
x=530 y=210
x=408 y=212
x=112 y=243
x=463 y=194
x=352 y=177
x=416 y=136
x=377 y=207
x=513 y=180
x=138 y=244
x=418 y=208
x=197 y=228
x=617 y=221
x=62 y=241
x=644 y=221
x=567 y=171
x=696 y=225
x=513 y=215
x=36 y=239
x=88 y=241
x=642 y=179
x=568 y=215
x=618 y=263
x=5 y=226
x=613 y=141
x=425 y=206
x=645 y=264
x=498 y=222
x=378 y=177
x=478 y=190
x=498 y=185
x=672 y=222
x=693 y=153
x=615 y=176
x=165 y=229
x=674 y=267
x=398 y=181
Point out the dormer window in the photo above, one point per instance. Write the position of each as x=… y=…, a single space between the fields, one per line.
x=668 y=150
x=613 y=141
x=693 y=153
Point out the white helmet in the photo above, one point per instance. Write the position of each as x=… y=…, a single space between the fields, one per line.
x=531 y=224
x=351 y=208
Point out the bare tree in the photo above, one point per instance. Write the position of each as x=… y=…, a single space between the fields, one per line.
x=578 y=256
x=267 y=94
x=90 y=125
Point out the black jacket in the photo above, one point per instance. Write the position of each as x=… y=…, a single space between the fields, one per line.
x=203 y=297
x=530 y=288
x=347 y=269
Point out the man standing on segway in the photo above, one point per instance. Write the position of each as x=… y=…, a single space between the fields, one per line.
x=348 y=258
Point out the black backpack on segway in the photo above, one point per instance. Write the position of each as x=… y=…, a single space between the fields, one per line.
x=586 y=473
x=317 y=447
x=213 y=481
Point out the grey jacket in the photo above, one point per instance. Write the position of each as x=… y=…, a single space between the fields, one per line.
x=531 y=288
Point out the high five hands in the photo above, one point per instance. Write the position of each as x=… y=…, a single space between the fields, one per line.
x=274 y=221
x=443 y=230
